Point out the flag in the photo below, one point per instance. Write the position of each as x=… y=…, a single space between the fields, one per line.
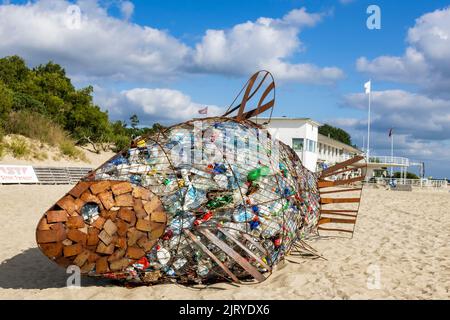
x=368 y=86
x=390 y=132
x=203 y=111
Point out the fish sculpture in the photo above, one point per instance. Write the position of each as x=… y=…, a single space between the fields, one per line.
x=208 y=200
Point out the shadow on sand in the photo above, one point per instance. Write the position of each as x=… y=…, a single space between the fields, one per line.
x=32 y=270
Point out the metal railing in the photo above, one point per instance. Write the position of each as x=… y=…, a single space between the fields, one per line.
x=60 y=175
x=422 y=183
x=400 y=161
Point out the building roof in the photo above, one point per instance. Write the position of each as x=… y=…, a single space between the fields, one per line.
x=314 y=122
x=330 y=141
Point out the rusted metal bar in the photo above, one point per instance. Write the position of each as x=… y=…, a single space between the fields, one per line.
x=338 y=230
x=245 y=97
x=341 y=165
x=243 y=247
x=327 y=184
x=253 y=242
x=340 y=214
x=332 y=211
x=233 y=254
x=335 y=220
x=339 y=200
x=211 y=255
x=339 y=191
x=337 y=172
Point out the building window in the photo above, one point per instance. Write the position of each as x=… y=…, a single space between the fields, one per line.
x=297 y=144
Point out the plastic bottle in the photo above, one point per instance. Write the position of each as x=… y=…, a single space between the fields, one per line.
x=179 y=263
x=221 y=180
x=219 y=202
x=219 y=168
x=242 y=215
x=89 y=211
x=163 y=256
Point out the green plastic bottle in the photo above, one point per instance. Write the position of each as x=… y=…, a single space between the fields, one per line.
x=219 y=202
x=257 y=173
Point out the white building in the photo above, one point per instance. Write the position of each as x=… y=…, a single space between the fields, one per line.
x=302 y=135
x=331 y=151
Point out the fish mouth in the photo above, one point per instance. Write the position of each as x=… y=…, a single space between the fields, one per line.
x=102 y=226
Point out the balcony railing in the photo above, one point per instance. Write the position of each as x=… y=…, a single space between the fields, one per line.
x=413 y=182
x=400 y=161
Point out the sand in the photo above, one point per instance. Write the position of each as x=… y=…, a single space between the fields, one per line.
x=403 y=235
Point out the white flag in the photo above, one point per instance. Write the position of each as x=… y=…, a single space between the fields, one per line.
x=368 y=86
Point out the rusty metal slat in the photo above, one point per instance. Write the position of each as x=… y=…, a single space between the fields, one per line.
x=233 y=254
x=337 y=172
x=211 y=255
x=253 y=242
x=327 y=184
x=335 y=220
x=340 y=214
x=341 y=165
x=243 y=247
x=339 y=191
x=332 y=211
x=339 y=200
x=337 y=230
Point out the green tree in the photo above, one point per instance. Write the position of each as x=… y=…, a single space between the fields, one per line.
x=6 y=101
x=336 y=133
x=409 y=175
x=14 y=72
x=46 y=90
x=134 y=121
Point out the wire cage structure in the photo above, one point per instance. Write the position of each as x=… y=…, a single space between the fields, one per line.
x=208 y=200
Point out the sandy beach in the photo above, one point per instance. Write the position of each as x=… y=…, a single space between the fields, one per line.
x=403 y=235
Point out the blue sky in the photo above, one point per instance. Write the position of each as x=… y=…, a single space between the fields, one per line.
x=164 y=60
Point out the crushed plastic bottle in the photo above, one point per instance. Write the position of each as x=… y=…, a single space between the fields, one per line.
x=219 y=168
x=203 y=268
x=163 y=256
x=119 y=160
x=89 y=211
x=219 y=202
x=221 y=180
x=179 y=263
x=183 y=221
x=242 y=215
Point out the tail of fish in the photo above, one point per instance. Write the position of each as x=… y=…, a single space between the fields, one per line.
x=340 y=191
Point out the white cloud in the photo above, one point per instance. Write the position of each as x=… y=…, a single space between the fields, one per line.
x=160 y=104
x=426 y=61
x=414 y=115
x=435 y=153
x=102 y=46
x=421 y=120
x=264 y=44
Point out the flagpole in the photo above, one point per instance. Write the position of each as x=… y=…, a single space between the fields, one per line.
x=392 y=151
x=368 y=123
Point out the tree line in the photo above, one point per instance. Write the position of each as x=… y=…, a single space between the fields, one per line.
x=46 y=91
